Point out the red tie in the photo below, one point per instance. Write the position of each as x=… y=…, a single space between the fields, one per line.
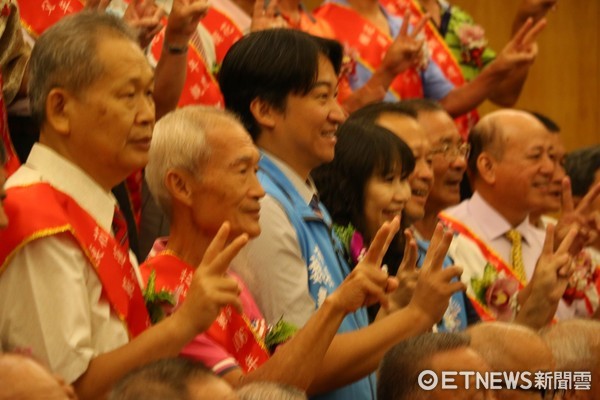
x=119 y=226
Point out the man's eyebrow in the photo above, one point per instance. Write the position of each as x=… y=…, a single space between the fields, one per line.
x=242 y=160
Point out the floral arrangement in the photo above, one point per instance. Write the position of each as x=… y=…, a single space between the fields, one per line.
x=582 y=283
x=349 y=61
x=158 y=304
x=279 y=333
x=472 y=42
x=495 y=291
x=353 y=242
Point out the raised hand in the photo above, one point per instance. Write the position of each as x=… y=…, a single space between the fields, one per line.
x=584 y=218
x=183 y=20
x=522 y=49
x=211 y=288
x=406 y=51
x=145 y=16
x=407 y=274
x=435 y=285
x=549 y=281
x=369 y=283
x=266 y=18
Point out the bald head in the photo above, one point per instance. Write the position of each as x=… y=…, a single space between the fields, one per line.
x=23 y=378
x=511 y=163
x=511 y=347
x=575 y=344
x=497 y=129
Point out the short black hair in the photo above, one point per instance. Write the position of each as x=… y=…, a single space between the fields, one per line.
x=581 y=166
x=362 y=150
x=548 y=123
x=271 y=65
x=399 y=370
x=373 y=111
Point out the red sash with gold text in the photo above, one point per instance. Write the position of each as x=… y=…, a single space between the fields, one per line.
x=231 y=330
x=351 y=29
x=30 y=220
x=440 y=53
x=200 y=86
x=39 y=15
x=12 y=161
x=491 y=257
x=225 y=32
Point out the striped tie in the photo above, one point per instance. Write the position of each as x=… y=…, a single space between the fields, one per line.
x=314 y=204
x=516 y=254
x=119 y=227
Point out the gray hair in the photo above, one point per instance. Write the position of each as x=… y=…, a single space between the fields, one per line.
x=398 y=372
x=179 y=141
x=66 y=56
x=270 y=391
x=166 y=379
x=575 y=344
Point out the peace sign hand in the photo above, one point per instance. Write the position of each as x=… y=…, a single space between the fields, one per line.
x=211 y=288
x=436 y=284
x=406 y=51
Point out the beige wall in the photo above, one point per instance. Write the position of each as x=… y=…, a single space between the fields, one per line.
x=564 y=82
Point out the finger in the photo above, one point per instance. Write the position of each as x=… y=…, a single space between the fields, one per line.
x=380 y=243
x=548 y=246
x=221 y=262
x=520 y=35
x=451 y=272
x=392 y=284
x=589 y=198
x=568 y=241
x=217 y=244
x=567 y=196
x=409 y=260
x=420 y=25
x=437 y=249
x=534 y=32
x=259 y=7
x=272 y=8
x=457 y=287
x=198 y=9
x=405 y=23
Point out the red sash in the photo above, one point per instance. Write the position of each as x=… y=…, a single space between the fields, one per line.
x=440 y=53
x=61 y=214
x=200 y=86
x=12 y=161
x=353 y=30
x=39 y=15
x=491 y=257
x=231 y=330
x=225 y=32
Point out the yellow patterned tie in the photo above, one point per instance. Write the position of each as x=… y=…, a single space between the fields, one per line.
x=516 y=254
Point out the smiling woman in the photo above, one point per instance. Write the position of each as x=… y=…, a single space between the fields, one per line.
x=366 y=184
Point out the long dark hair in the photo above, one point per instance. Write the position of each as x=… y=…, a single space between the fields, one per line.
x=363 y=149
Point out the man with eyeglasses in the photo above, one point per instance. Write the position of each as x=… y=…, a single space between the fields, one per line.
x=513 y=271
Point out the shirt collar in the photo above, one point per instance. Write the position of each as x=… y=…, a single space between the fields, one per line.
x=492 y=223
x=68 y=178
x=306 y=189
